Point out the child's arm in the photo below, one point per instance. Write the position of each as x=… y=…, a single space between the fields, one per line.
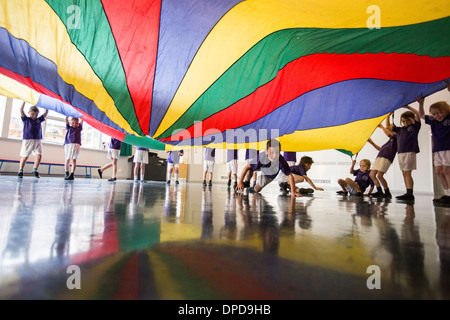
x=311 y=183
x=386 y=131
x=22 y=113
x=294 y=192
x=67 y=120
x=45 y=113
x=417 y=118
x=240 y=186
x=352 y=168
x=448 y=84
x=374 y=144
x=420 y=99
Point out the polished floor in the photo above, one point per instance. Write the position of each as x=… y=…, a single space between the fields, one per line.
x=91 y=239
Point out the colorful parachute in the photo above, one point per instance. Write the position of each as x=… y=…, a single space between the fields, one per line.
x=316 y=74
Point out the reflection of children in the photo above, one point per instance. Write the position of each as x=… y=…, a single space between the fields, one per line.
x=299 y=171
x=439 y=121
x=383 y=161
x=269 y=163
x=173 y=162
x=113 y=155
x=232 y=166
x=72 y=145
x=32 y=138
x=140 y=159
x=408 y=147
x=210 y=155
x=362 y=181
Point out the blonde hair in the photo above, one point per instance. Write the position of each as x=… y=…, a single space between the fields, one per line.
x=442 y=106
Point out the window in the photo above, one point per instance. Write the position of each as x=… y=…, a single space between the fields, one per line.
x=54 y=127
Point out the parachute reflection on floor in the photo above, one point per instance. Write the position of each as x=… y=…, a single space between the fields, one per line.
x=90 y=239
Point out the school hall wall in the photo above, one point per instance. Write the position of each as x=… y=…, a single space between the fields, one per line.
x=331 y=165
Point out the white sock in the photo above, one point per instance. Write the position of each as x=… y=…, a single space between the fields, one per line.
x=142 y=177
x=447 y=192
x=135 y=177
x=169 y=175
x=176 y=176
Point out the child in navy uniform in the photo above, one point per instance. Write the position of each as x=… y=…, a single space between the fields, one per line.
x=439 y=121
x=269 y=164
x=210 y=155
x=408 y=147
x=140 y=159
x=299 y=171
x=362 y=181
x=113 y=155
x=383 y=161
x=173 y=162
x=72 y=145
x=232 y=166
x=32 y=138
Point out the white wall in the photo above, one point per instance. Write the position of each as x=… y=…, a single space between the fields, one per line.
x=330 y=165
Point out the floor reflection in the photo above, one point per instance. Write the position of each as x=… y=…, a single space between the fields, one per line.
x=135 y=240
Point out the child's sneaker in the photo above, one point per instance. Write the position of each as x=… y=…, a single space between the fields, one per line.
x=405 y=197
x=306 y=190
x=100 y=173
x=210 y=183
x=36 y=174
x=112 y=179
x=20 y=174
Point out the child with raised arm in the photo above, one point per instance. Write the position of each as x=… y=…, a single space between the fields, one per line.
x=362 y=181
x=173 y=163
x=269 y=163
x=32 y=138
x=299 y=172
x=383 y=161
x=407 y=148
x=439 y=121
x=72 y=145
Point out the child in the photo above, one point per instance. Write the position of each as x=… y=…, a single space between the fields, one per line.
x=210 y=154
x=140 y=159
x=408 y=147
x=72 y=144
x=113 y=155
x=32 y=138
x=439 y=121
x=383 y=161
x=362 y=181
x=232 y=165
x=269 y=163
x=173 y=161
x=299 y=173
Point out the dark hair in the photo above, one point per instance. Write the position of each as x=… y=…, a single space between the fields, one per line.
x=273 y=143
x=34 y=108
x=408 y=114
x=306 y=160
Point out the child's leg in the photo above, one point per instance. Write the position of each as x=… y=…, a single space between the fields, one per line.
x=37 y=161
x=343 y=184
x=106 y=166
x=142 y=171
x=67 y=165
x=114 y=165
x=136 y=171
x=74 y=165
x=23 y=161
x=373 y=176
x=443 y=173
x=408 y=179
x=352 y=184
